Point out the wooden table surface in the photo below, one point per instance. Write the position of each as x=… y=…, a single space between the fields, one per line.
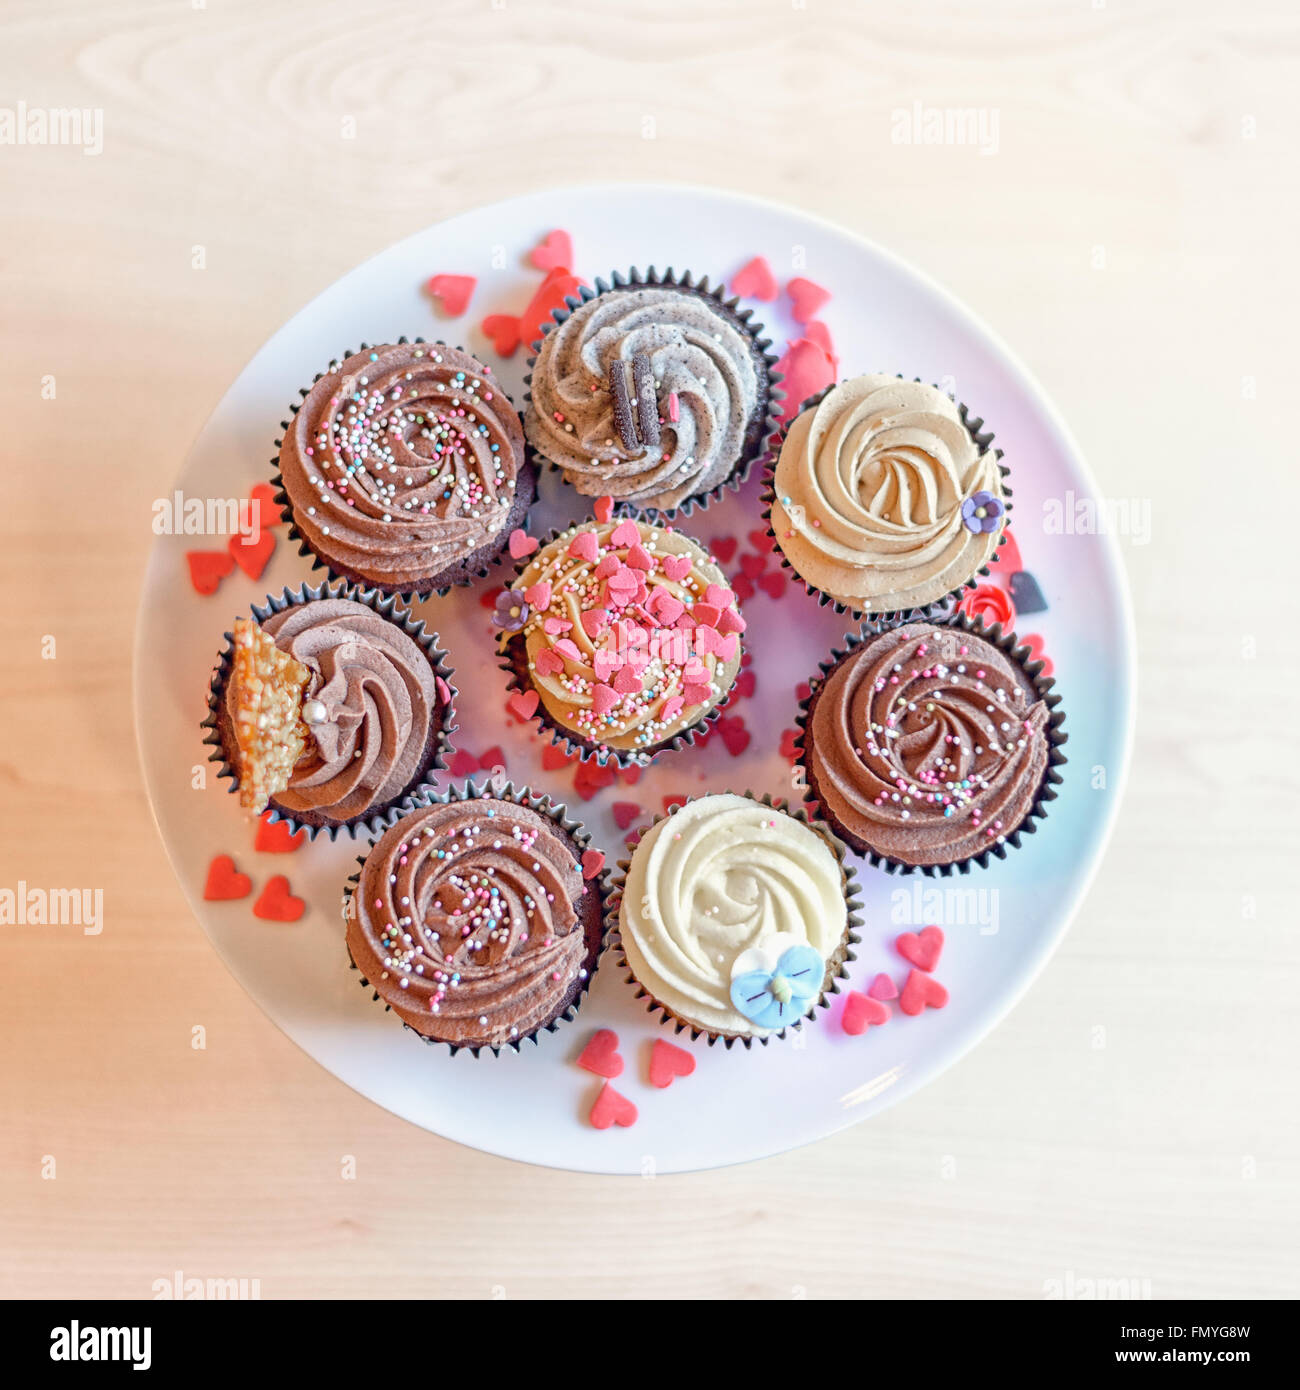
x=1131 y=231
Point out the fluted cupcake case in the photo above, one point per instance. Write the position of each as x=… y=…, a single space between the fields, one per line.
x=514 y=662
x=388 y=607
x=767 y=416
x=935 y=611
x=476 y=566
x=592 y=908
x=1055 y=733
x=836 y=966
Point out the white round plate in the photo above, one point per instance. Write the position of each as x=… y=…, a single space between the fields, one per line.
x=1001 y=923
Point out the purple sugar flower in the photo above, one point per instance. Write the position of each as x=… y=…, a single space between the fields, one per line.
x=982 y=511
x=511 y=610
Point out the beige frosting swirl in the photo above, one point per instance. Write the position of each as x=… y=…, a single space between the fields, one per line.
x=370 y=706
x=869 y=489
x=707 y=385
x=722 y=875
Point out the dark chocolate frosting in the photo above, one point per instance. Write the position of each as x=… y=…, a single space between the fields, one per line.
x=926 y=744
x=465 y=921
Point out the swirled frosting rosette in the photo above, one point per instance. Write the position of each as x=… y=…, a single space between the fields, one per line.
x=656 y=392
x=733 y=917
x=628 y=634
x=375 y=711
x=404 y=468
x=472 y=921
x=931 y=745
x=883 y=496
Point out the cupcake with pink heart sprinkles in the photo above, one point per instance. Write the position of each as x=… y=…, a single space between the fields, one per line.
x=628 y=633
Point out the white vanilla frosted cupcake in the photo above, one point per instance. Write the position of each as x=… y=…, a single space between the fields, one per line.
x=734 y=919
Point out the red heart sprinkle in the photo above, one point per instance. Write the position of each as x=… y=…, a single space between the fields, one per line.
x=631 y=775
x=732 y=731
x=225 y=881
x=773 y=584
x=265 y=510
x=488 y=598
x=554 y=758
x=761 y=541
x=723 y=549
x=591 y=778
x=754 y=280
x=624 y=813
x=504 y=331
x=277 y=903
x=744 y=587
x=788 y=749
x=806 y=369
x=208 y=568
x=860 y=1013
x=601 y=1054
x=1035 y=644
x=806 y=297
x=555 y=252
x=453 y=290
x=674 y=799
x=751 y=566
x=463 y=763
x=1006 y=559
x=593 y=861
x=668 y=1061
x=523 y=704
x=882 y=987
x=492 y=759
x=817 y=332
x=275 y=837
x=252 y=556
x=921 y=950
x=921 y=991
x=611 y=1108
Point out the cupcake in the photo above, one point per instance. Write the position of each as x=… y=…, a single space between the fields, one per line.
x=931 y=746
x=329 y=706
x=656 y=391
x=404 y=468
x=472 y=920
x=622 y=638
x=885 y=497
x=733 y=917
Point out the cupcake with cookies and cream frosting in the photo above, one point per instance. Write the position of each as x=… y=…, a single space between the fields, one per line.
x=735 y=917
x=654 y=390
x=885 y=497
x=621 y=637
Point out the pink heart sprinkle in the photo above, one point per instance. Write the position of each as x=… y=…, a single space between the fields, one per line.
x=625 y=533
x=718 y=596
x=521 y=544
x=548 y=662
x=603 y=699
x=882 y=987
x=583 y=546
x=539 y=594
x=677 y=567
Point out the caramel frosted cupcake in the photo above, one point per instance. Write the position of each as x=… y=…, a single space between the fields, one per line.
x=885 y=497
x=472 y=921
x=622 y=637
x=733 y=917
x=931 y=745
x=329 y=706
x=404 y=468
x=656 y=391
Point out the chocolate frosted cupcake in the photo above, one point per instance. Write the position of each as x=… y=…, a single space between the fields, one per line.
x=932 y=746
x=471 y=918
x=656 y=391
x=733 y=917
x=329 y=706
x=884 y=497
x=404 y=468
x=622 y=637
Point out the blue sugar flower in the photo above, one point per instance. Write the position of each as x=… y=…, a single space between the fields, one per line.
x=772 y=995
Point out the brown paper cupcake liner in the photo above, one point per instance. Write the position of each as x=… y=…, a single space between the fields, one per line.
x=837 y=966
x=477 y=565
x=766 y=419
x=595 y=898
x=938 y=609
x=1056 y=737
x=376 y=821
x=514 y=664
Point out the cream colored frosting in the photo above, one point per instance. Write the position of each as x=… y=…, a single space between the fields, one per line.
x=720 y=876
x=869 y=490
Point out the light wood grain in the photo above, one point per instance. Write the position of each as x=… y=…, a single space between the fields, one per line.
x=1162 y=133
